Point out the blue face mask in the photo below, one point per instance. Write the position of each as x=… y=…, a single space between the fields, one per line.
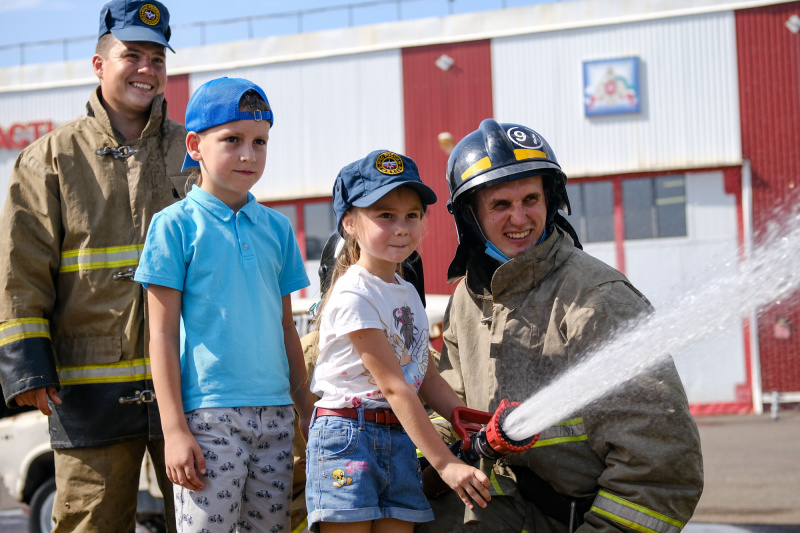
x=495 y=253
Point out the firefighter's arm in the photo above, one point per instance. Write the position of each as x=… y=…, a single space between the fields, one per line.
x=647 y=438
x=30 y=235
x=449 y=365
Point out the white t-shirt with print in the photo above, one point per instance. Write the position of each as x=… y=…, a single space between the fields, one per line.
x=360 y=300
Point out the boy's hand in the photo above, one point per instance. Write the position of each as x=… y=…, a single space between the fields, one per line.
x=184 y=460
x=468 y=482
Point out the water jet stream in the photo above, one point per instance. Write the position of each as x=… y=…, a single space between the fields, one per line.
x=771 y=273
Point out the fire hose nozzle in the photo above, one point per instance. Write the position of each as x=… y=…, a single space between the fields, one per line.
x=482 y=434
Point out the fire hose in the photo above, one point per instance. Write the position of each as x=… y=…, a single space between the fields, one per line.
x=482 y=436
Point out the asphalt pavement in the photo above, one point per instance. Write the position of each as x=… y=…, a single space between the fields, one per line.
x=752 y=477
x=752 y=471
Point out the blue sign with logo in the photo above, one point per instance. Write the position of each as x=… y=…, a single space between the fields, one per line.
x=611 y=86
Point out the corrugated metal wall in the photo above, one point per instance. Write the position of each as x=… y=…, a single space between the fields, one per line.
x=328 y=113
x=769 y=85
x=688 y=80
x=436 y=101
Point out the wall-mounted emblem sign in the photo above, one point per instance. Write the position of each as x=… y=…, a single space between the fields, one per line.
x=611 y=86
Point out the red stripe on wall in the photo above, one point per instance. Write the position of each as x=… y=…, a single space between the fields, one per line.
x=769 y=91
x=436 y=101
x=177 y=96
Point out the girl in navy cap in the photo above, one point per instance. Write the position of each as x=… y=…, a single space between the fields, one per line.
x=374 y=365
x=226 y=265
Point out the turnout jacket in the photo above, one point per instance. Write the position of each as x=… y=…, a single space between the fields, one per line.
x=71 y=230
x=634 y=453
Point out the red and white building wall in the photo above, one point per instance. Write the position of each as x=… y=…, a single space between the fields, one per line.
x=714 y=138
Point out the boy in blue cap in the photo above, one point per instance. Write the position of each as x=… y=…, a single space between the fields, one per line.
x=227 y=266
x=72 y=324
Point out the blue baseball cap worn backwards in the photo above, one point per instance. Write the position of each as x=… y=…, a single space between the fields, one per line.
x=136 y=20
x=364 y=182
x=216 y=102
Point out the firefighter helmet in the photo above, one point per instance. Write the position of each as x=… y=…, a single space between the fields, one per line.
x=493 y=154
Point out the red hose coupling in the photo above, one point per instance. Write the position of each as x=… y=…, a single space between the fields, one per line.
x=498 y=439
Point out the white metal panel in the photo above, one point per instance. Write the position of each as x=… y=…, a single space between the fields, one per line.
x=666 y=270
x=688 y=83
x=328 y=113
x=56 y=105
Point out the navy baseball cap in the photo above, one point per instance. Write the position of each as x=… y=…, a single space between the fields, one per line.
x=136 y=20
x=216 y=102
x=364 y=182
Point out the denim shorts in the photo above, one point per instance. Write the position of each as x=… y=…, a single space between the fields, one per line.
x=358 y=471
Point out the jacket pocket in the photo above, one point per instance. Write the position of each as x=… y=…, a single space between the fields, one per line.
x=88 y=350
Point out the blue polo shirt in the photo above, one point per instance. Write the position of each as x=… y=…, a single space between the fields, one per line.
x=233 y=269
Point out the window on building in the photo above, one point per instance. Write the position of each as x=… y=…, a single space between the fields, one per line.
x=316 y=223
x=654 y=207
x=320 y=223
x=592 y=206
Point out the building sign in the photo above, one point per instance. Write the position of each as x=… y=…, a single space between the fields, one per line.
x=18 y=136
x=611 y=86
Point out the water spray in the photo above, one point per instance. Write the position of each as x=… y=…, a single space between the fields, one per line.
x=768 y=275
x=482 y=434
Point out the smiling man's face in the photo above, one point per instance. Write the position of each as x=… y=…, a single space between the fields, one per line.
x=132 y=74
x=512 y=215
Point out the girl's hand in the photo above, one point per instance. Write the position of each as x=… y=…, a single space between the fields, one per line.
x=468 y=482
x=184 y=460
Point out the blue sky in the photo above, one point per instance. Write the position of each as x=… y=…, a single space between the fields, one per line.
x=26 y=21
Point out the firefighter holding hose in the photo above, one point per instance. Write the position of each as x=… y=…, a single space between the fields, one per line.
x=530 y=305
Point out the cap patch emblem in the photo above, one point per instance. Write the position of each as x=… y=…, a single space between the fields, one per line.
x=389 y=163
x=149 y=14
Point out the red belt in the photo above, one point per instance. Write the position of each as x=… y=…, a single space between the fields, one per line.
x=381 y=417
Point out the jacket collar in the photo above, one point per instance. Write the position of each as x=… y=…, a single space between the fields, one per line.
x=218 y=209
x=487 y=278
x=158 y=114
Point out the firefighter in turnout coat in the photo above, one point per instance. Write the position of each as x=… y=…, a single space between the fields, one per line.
x=530 y=306
x=72 y=320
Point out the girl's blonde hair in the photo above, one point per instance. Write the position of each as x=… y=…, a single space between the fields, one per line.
x=348 y=257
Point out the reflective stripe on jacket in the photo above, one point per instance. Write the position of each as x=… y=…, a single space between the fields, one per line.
x=73 y=224
x=546 y=309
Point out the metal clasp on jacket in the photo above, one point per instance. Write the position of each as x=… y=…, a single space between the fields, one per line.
x=116 y=153
x=140 y=397
x=486 y=320
x=126 y=275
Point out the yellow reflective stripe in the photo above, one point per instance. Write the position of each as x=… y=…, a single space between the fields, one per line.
x=529 y=154
x=120 y=372
x=633 y=515
x=572 y=430
x=95 y=258
x=301 y=526
x=496 y=485
x=24 y=328
x=476 y=167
